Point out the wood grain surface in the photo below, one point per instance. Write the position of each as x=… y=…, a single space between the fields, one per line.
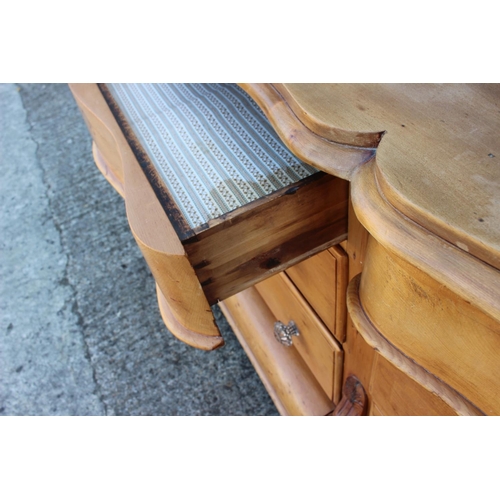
x=394 y=393
x=315 y=343
x=322 y=280
x=318 y=151
x=443 y=333
x=460 y=272
x=262 y=240
x=290 y=383
x=423 y=230
x=316 y=280
x=149 y=224
x=439 y=159
x=375 y=343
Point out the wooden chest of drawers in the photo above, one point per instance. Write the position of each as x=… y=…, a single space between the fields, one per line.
x=418 y=226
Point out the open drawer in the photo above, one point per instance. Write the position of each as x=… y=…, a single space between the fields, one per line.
x=214 y=199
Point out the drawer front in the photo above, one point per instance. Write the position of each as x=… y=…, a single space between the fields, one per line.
x=322 y=354
x=322 y=280
x=290 y=383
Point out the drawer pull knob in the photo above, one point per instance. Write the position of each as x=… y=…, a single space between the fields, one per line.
x=284 y=333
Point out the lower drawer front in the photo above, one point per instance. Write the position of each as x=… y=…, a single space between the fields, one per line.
x=286 y=376
x=322 y=354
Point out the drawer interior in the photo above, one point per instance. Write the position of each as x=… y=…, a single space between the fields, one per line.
x=207 y=148
x=222 y=204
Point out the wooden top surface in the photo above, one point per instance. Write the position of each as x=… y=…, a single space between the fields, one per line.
x=439 y=158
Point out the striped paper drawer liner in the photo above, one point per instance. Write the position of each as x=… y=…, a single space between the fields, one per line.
x=211 y=144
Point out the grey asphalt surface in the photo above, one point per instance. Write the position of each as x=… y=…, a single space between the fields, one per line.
x=80 y=330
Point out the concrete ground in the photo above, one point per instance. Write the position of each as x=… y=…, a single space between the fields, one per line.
x=80 y=331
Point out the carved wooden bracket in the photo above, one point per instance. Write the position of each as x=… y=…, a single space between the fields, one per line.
x=353 y=402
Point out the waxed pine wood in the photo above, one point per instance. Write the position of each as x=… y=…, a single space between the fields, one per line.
x=315 y=278
x=106 y=171
x=341 y=282
x=371 y=342
x=290 y=383
x=315 y=343
x=440 y=331
x=456 y=126
x=151 y=227
x=322 y=280
x=316 y=150
x=358 y=355
x=252 y=244
x=423 y=233
x=438 y=149
x=229 y=253
x=394 y=393
x=430 y=198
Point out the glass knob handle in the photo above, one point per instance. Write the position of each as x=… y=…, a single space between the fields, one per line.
x=284 y=333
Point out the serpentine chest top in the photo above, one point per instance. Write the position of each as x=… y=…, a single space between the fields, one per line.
x=437 y=162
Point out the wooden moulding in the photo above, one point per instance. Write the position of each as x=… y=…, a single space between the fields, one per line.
x=314 y=96
x=440 y=331
x=191 y=315
x=456 y=269
x=353 y=402
x=290 y=383
x=337 y=158
x=401 y=361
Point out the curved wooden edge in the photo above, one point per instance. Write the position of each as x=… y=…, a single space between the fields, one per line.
x=335 y=134
x=353 y=402
x=183 y=334
x=452 y=234
x=107 y=173
x=148 y=222
x=416 y=372
x=336 y=159
x=462 y=273
x=165 y=254
x=99 y=121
